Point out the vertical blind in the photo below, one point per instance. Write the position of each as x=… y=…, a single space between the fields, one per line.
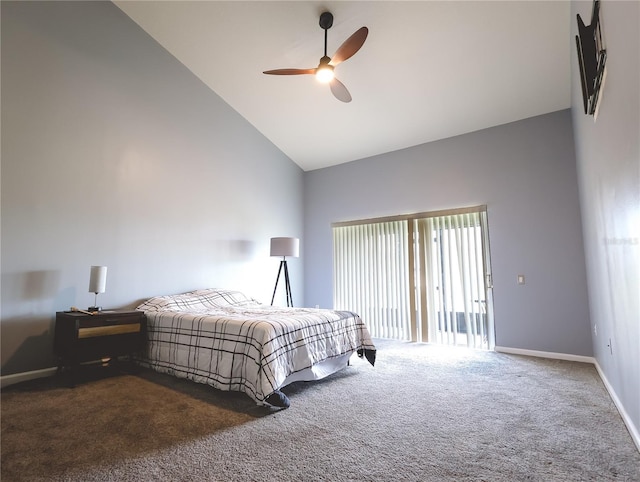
x=371 y=275
x=422 y=277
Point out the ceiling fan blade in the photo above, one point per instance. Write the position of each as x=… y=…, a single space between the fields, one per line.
x=339 y=91
x=350 y=46
x=290 y=71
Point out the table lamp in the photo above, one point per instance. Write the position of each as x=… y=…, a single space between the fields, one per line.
x=97 y=284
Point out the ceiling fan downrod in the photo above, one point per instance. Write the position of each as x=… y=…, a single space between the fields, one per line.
x=324 y=72
x=326 y=22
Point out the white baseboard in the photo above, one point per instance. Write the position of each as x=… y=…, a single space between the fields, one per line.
x=633 y=430
x=7 y=380
x=546 y=354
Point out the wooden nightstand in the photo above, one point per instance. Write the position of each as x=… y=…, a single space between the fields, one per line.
x=80 y=337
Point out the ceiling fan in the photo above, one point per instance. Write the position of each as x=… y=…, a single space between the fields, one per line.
x=325 y=70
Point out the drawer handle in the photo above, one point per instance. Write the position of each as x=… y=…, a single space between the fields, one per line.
x=108 y=330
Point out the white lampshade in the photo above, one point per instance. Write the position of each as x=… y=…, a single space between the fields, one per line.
x=98 y=279
x=285 y=247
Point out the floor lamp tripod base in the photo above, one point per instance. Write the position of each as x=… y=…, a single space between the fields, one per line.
x=283 y=267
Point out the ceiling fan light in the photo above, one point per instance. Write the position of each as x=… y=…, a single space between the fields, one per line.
x=324 y=74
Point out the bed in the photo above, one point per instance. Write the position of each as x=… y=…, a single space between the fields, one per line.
x=230 y=341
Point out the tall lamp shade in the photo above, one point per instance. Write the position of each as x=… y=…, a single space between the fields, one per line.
x=97 y=284
x=284 y=247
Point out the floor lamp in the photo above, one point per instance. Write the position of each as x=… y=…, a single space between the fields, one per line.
x=284 y=247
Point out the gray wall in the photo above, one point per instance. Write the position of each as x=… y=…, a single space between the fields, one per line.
x=608 y=157
x=526 y=174
x=114 y=153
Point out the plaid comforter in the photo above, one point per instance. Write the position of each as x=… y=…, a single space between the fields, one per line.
x=232 y=342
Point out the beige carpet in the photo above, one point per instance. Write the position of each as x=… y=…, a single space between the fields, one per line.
x=423 y=413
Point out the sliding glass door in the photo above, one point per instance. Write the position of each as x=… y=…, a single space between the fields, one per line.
x=424 y=277
x=453 y=280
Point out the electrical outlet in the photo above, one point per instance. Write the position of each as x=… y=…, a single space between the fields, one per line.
x=610 y=345
x=520 y=279
x=595 y=330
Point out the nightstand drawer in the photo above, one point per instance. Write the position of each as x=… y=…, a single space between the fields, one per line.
x=108 y=330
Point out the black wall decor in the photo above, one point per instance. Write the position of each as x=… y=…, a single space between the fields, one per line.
x=592 y=57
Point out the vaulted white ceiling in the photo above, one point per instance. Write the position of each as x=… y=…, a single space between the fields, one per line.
x=428 y=69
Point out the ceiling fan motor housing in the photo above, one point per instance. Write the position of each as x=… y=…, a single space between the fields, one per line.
x=326 y=20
